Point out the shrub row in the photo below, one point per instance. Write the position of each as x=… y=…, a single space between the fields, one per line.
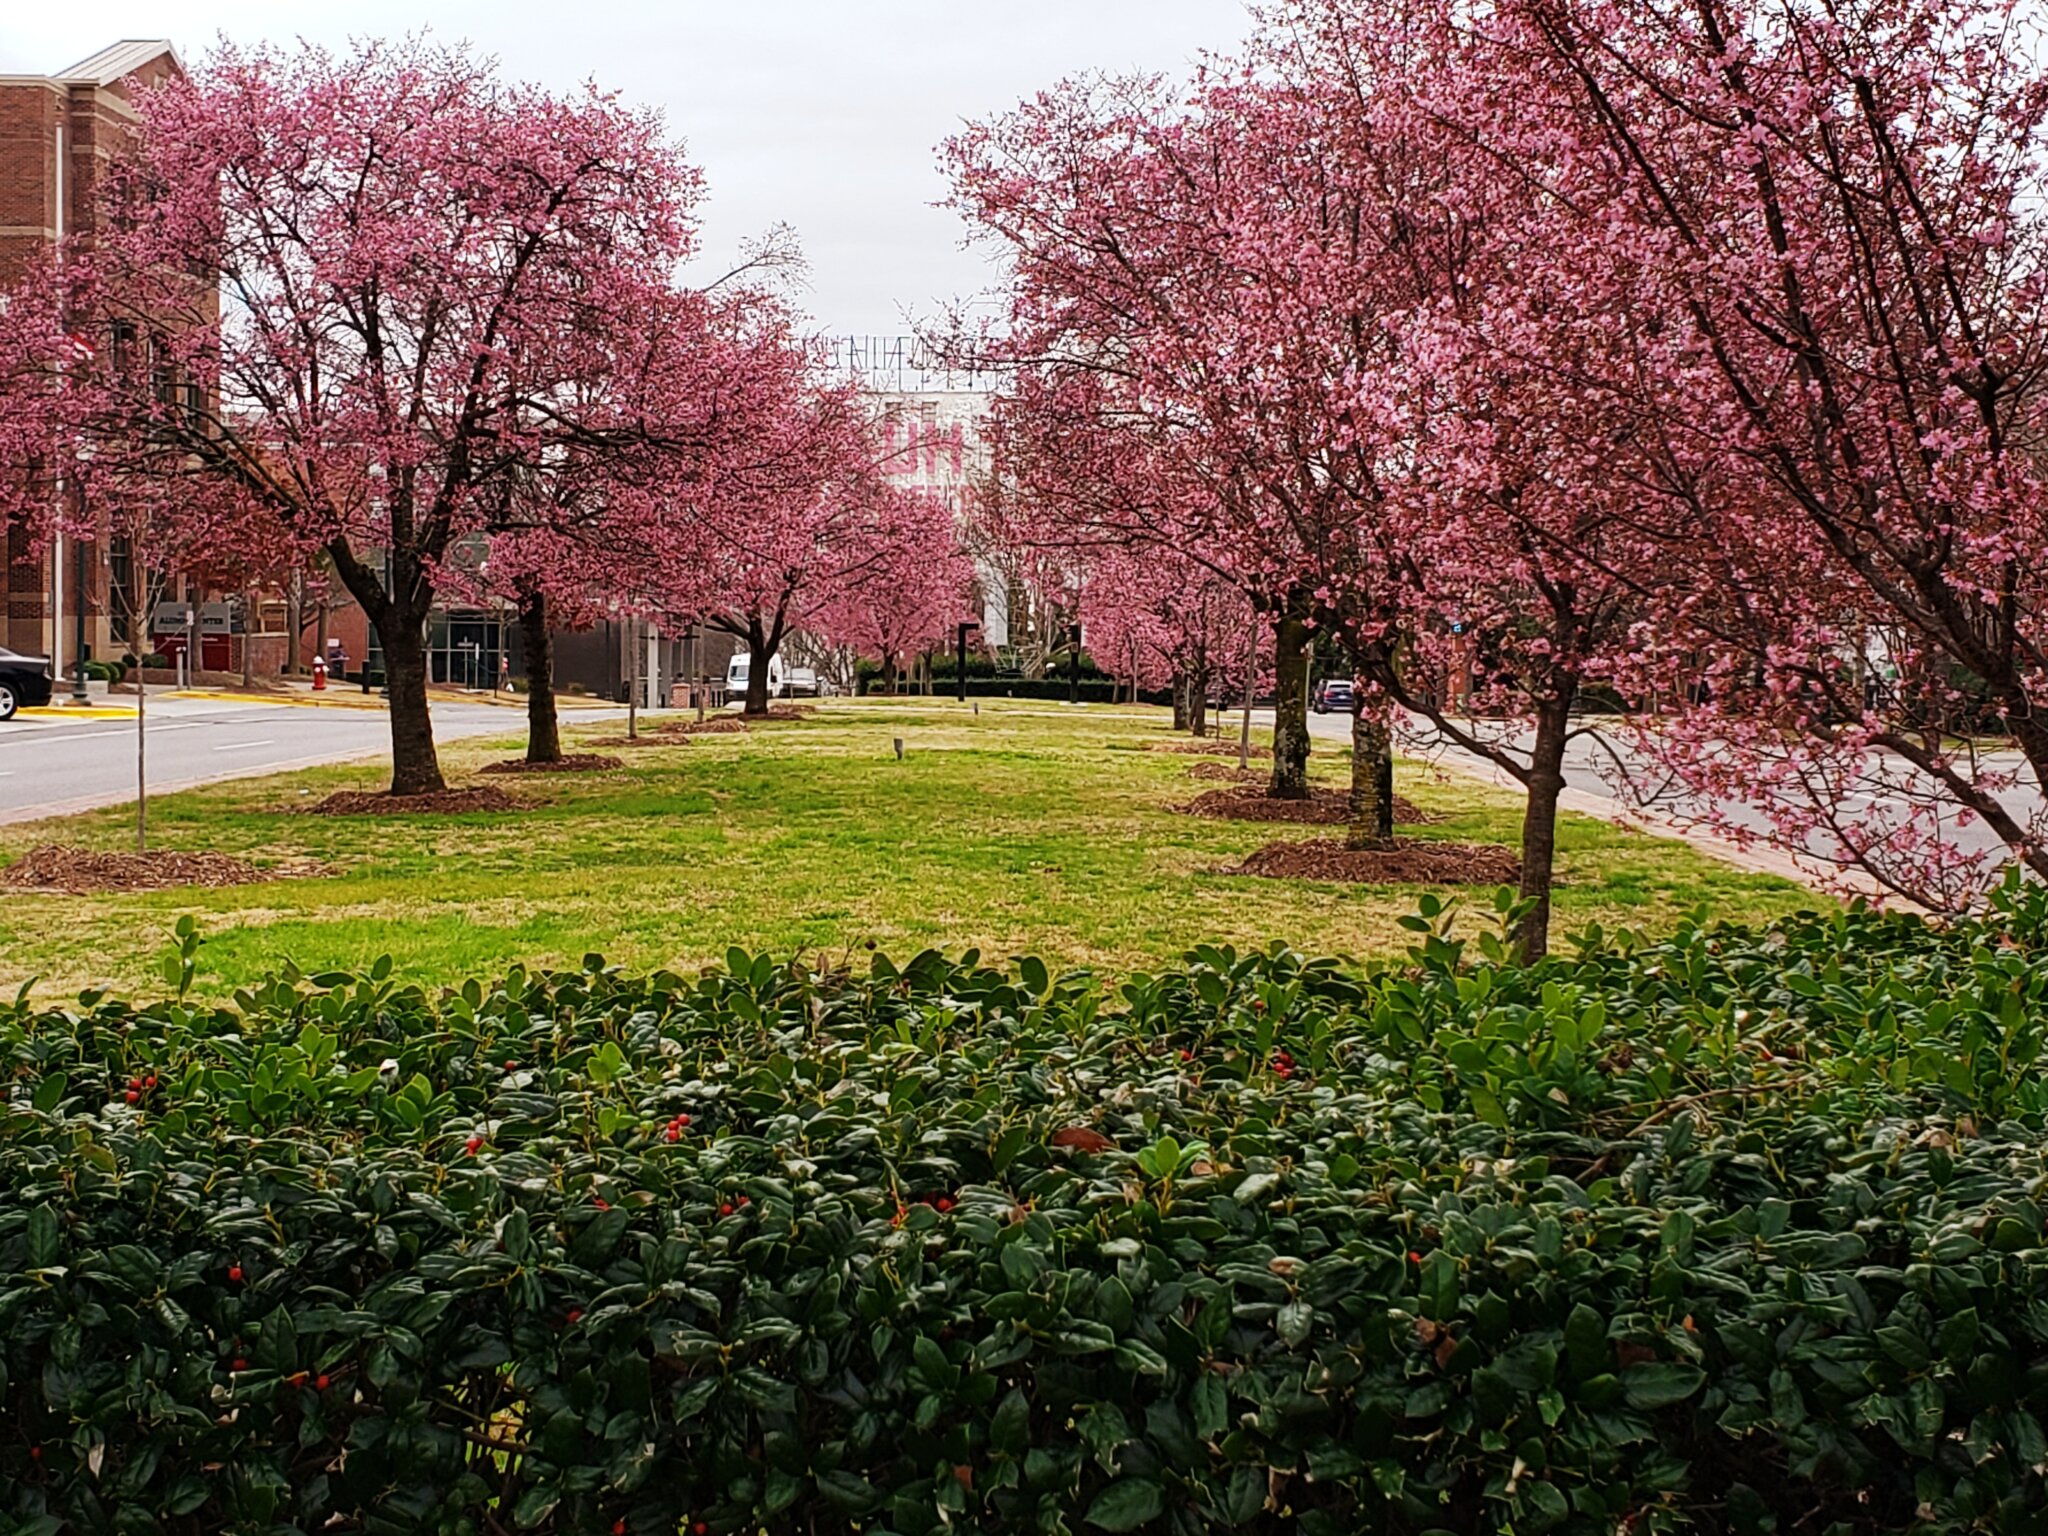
x=1090 y=690
x=1731 y=1232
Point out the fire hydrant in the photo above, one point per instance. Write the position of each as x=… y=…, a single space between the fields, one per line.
x=319 y=673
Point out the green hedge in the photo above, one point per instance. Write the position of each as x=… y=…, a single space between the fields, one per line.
x=1733 y=1232
x=1095 y=690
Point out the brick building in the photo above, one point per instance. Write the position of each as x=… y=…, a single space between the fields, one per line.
x=57 y=135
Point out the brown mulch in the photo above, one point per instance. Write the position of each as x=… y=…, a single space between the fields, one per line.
x=1206 y=746
x=710 y=725
x=651 y=737
x=1224 y=771
x=569 y=763
x=447 y=802
x=1409 y=861
x=1323 y=808
x=56 y=867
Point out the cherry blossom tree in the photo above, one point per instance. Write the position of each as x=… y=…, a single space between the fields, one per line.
x=59 y=477
x=797 y=513
x=909 y=594
x=1165 y=622
x=1826 y=225
x=383 y=277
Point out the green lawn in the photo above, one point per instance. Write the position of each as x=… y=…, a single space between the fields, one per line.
x=1030 y=828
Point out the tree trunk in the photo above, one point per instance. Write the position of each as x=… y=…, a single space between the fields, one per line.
x=543 y=728
x=1198 y=705
x=294 y=622
x=758 y=657
x=248 y=639
x=415 y=766
x=1181 y=696
x=1539 y=825
x=1290 y=710
x=1372 y=780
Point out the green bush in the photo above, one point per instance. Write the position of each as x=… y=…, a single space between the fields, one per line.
x=1092 y=690
x=1733 y=1232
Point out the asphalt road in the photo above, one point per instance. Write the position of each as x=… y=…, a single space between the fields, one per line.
x=50 y=765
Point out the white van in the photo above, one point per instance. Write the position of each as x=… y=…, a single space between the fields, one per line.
x=736 y=676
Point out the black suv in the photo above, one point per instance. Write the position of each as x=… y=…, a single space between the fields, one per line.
x=24 y=681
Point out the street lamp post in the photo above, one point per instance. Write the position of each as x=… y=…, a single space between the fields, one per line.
x=965 y=625
x=78 y=693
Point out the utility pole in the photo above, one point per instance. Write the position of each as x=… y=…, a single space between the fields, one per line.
x=965 y=625
x=1251 y=675
x=78 y=693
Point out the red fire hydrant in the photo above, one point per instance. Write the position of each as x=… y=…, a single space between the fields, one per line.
x=319 y=673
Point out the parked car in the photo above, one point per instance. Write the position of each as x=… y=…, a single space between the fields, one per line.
x=25 y=682
x=1332 y=693
x=736 y=676
x=802 y=683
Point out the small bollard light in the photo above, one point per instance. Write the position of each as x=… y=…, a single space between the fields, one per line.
x=977 y=708
x=899 y=749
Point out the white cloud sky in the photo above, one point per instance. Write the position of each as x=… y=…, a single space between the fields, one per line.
x=823 y=114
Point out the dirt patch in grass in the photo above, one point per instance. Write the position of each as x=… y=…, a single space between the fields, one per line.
x=1406 y=861
x=711 y=725
x=1323 y=808
x=1206 y=746
x=569 y=763
x=81 y=871
x=446 y=802
x=647 y=738
x=1224 y=771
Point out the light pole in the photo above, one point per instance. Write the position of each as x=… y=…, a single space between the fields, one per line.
x=1074 y=663
x=78 y=693
x=965 y=625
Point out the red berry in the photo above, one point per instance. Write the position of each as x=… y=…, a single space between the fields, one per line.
x=511 y=1066
x=239 y=1364
x=322 y=1382
x=35 y=1453
x=943 y=1203
x=1414 y=1257
x=745 y=1201
x=600 y=1202
x=619 y=1528
x=700 y=1527
x=132 y=1096
x=682 y=1119
x=1186 y=1054
x=150 y=1081
x=575 y=1314
x=470 y=1146
x=235 y=1273
x=725 y=1209
x=673 y=1133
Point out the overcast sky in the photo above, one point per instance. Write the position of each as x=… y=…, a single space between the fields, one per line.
x=819 y=113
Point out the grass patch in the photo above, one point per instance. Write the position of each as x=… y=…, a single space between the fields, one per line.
x=1021 y=829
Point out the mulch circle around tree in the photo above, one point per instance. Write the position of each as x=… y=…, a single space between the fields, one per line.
x=570 y=763
x=710 y=725
x=1408 y=861
x=650 y=737
x=82 y=871
x=1323 y=808
x=446 y=802
x=1206 y=746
